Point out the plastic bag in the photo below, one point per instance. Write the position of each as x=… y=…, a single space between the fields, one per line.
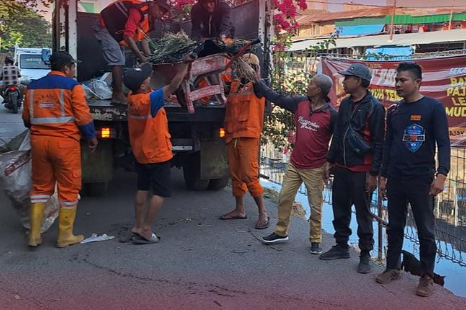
x=15 y=180
x=88 y=92
x=100 y=89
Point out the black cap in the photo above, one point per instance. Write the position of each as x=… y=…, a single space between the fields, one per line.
x=359 y=70
x=133 y=77
x=164 y=4
x=62 y=58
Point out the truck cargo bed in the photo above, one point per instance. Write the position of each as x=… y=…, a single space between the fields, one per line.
x=104 y=110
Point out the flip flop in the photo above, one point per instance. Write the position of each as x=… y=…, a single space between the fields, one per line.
x=127 y=237
x=266 y=225
x=237 y=217
x=138 y=239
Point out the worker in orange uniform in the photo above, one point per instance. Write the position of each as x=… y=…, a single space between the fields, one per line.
x=58 y=116
x=121 y=24
x=151 y=145
x=243 y=125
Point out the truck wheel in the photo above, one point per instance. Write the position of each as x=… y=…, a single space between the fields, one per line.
x=218 y=184
x=96 y=189
x=192 y=174
x=14 y=103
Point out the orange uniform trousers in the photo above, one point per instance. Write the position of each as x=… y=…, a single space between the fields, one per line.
x=243 y=163
x=56 y=161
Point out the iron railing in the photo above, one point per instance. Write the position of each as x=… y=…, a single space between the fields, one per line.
x=450 y=209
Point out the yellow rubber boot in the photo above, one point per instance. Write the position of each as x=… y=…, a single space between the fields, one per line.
x=65 y=228
x=36 y=214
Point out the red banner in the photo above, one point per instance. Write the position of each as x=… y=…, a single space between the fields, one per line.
x=443 y=79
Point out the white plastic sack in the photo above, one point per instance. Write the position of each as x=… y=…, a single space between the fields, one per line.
x=88 y=92
x=101 y=89
x=15 y=180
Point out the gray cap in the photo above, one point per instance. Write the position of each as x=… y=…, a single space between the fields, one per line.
x=359 y=70
x=133 y=77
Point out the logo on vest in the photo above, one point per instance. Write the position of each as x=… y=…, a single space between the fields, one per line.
x=413 y=137
x=46 y=105
x=307 y=124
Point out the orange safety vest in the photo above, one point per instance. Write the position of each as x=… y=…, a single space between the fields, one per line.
x=56 y=107
x=244 y=114
x=149 y=136
x=115 y=16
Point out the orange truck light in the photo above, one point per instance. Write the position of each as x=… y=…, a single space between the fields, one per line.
x=105 y=132
x=222 y=132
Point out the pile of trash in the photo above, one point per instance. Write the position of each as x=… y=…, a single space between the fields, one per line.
x=175 y=47
x=171 y=48
x=15 y=180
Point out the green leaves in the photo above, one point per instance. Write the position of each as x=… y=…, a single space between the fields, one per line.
x=21 y=24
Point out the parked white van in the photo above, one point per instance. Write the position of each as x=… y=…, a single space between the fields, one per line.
x=30 y=63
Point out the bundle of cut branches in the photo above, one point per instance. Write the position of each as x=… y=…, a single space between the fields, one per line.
x=236 y=45
x=243 y=70
x=173 y=47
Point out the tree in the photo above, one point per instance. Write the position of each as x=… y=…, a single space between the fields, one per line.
x=21 y=24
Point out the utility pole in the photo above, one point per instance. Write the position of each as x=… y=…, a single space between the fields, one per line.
x=392 y=26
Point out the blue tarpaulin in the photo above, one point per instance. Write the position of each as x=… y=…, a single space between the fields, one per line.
x=400 y=52
x=359 y=30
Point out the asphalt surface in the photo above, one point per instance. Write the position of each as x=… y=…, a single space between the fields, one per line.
x=200 y=262
x=10 y=124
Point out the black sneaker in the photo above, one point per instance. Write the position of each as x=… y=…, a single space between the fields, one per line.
x=364 y=266
x=315 y=248
x=273 y=238
x=336 y=252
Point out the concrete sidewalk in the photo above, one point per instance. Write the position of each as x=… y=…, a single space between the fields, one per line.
x=200 y=263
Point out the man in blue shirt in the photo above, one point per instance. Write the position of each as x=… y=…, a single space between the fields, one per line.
x=415 y=126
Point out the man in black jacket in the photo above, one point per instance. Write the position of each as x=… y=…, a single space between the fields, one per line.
x=356 y=154
x=416 y=126
x=211 y=19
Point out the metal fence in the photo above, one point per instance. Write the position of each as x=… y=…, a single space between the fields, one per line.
x=450 y=208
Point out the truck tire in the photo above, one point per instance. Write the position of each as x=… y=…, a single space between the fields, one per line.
x=192 y=174
x=14 y=103
x=218 y=184
x=96 y=189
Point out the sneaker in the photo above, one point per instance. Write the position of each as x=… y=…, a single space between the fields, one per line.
x=425 y=287
x=315 y=248
x=364 y=266
x=388 y=276
x=336 y=252
x=274 y=238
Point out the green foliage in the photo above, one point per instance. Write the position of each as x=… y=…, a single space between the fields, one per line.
x=21 y=24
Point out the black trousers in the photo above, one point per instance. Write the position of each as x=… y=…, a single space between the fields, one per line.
x=414 y=191
x=349 y=188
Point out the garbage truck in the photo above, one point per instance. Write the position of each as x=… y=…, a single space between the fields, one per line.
x=196 y=136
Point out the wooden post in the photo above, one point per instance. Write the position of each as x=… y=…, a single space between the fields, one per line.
x=392 y=26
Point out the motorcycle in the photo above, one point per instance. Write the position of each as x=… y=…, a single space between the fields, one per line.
x=12 y=98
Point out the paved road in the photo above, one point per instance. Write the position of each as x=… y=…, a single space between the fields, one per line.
x=200 y=263
x=10 y=124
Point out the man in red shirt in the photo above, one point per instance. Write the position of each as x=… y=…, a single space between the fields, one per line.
x=314 y=117
x=355 y=156
x=121 y=24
